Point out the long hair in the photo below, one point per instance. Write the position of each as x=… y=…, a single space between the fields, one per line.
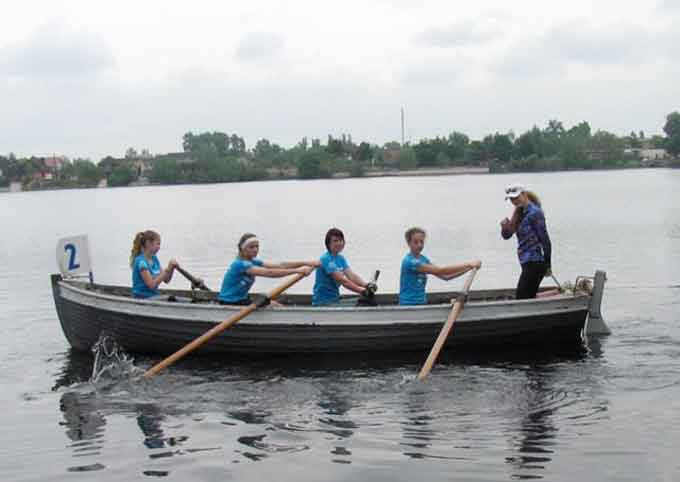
x=519 y=211
x=141 y=238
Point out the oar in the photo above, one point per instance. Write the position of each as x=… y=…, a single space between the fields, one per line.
x=444 y=333
x=228 y=323
x=194 y=282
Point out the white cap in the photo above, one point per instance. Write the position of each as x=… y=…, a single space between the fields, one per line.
x=513 y=190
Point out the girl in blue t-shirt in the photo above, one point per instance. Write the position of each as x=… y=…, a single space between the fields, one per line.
x=147 y=273
x=242 y=272
x=416 y=266
x=334 y=272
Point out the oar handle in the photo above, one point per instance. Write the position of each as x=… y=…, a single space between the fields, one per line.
x=192 y=279
x=446 y=329
x=276 y=292
x=216 y=330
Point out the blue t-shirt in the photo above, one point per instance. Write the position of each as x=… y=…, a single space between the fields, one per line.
x=139 y=287
x=412 y=282
x=237 y=281
x=326 y=289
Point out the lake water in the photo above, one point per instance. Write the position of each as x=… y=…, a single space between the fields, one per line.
x=608 y=412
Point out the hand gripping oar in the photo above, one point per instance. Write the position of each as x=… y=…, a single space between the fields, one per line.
x=195 y=283
x=444 y=333
x=228 y=323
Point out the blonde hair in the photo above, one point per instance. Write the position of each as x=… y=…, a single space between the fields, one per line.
x=140 y=241
x=414 y=230
x=533 y=197
x=519 y=211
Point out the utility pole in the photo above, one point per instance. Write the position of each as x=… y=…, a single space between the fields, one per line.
x=402 y=126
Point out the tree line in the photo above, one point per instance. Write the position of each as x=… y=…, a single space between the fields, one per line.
x=221 y=157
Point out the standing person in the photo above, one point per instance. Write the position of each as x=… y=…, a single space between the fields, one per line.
x=242 y=272
x=334 y=271
x=147 y=273
x=416 y=266
x=533 y=242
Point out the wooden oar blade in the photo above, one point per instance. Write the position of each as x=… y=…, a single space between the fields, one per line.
x=216 y=330
x=446 y=329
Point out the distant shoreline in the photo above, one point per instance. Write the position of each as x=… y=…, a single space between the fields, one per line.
x=423 y=172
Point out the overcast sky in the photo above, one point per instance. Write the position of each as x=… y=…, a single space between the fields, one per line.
x=85 y=78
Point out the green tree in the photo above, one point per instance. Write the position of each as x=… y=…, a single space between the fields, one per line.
x=86 y=172
x=311 y=164
x=407 y=158
x=501 y=147
x=364 y=152
x=658 y=142
x=121 y=175
x=672 y=130
x=334 y=147
x=457 y=144
x=356 y=168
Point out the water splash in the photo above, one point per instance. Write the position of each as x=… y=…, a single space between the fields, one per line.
x=111 y=362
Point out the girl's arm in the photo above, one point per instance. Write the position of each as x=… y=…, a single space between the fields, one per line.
x=449 y=272
x=277 y=272
x=154 y=283
x=345 y=281
x=355 y=278
x=292 y=264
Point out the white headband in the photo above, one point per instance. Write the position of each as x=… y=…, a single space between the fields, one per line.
x=249 y=241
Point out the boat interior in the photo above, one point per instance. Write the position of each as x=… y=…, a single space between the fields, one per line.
x=380 y=299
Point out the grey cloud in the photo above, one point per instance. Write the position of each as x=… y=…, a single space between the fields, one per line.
x=53 y=50
x=579 y=42
x=459 y=35
x=434 y=72
x=668 y=6
x=583 y=43
x=257 y=46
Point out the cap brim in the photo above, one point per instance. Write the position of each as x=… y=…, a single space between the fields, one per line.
x=512 y=196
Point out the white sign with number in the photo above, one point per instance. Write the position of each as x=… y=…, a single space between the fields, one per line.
x=73 y=255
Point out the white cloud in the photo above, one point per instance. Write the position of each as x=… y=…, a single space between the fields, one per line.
x=459 y=35
x=580 y=43
x=258 y=46
x=56 y=51
x=133 y=74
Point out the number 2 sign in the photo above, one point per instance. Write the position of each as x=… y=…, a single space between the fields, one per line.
x=73 y=255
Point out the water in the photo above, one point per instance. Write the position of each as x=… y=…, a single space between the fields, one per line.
x=609 y=411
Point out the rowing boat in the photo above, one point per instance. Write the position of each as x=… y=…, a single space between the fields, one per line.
x=87 y=310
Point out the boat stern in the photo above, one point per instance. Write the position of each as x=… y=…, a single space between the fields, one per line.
x=595 y=324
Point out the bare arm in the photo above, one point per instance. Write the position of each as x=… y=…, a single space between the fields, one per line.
x=292 y=264
x=153 y=283
x=449 y=272
x=277 y=272
x=345 y=281
x=355 y=277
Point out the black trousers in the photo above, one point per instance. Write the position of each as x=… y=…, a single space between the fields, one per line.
x=530 y=279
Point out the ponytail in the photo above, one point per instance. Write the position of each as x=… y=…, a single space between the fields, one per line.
x=140 y=241
x=519 y=211
x=533 y=197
